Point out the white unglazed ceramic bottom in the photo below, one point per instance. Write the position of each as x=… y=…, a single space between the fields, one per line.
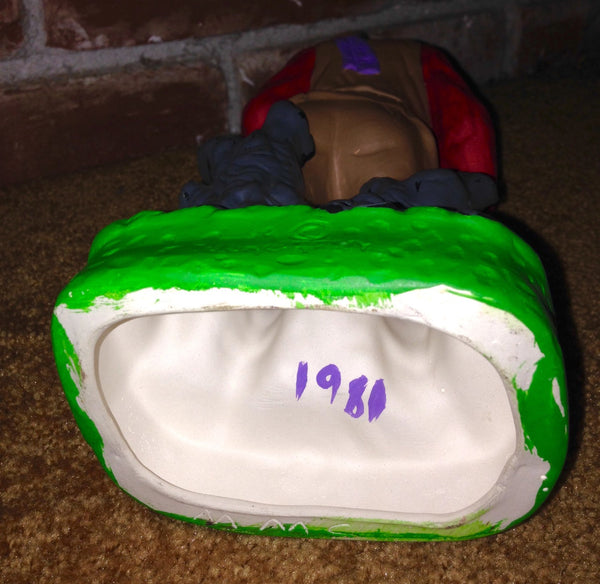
x=207 y=401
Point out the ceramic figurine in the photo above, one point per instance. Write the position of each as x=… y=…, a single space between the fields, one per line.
x=330 y=340
x=380 y=123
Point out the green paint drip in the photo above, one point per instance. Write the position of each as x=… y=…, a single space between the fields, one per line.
x=68 y=365
x=388 y=532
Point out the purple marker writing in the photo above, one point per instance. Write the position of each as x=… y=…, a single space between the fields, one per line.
x=330 y=377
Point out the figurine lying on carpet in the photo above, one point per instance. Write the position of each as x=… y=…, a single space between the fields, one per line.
x=352 y=123
x=287 y=371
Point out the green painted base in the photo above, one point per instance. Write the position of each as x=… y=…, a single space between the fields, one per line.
x=467 y=277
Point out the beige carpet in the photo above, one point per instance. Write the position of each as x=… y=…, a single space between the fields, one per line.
x=63 y=520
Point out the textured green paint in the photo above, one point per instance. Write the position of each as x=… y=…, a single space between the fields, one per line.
x=363 y=255
x=545 y=427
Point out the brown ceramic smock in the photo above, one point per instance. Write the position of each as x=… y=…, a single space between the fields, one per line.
x=366 y=126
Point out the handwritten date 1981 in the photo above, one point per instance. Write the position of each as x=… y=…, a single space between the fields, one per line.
x=329 y=377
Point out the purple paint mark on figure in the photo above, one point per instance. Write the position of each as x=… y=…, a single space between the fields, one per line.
x=377 y=400
x=301 y=378
x=358 y=56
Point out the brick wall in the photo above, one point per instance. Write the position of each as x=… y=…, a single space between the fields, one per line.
x=85 y=83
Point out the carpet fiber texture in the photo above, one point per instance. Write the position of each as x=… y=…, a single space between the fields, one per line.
x=63 y=520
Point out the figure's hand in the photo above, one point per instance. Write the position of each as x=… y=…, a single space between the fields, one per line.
x=465 y=192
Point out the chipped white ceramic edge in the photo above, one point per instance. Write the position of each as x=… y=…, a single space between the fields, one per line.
x=499 y=336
